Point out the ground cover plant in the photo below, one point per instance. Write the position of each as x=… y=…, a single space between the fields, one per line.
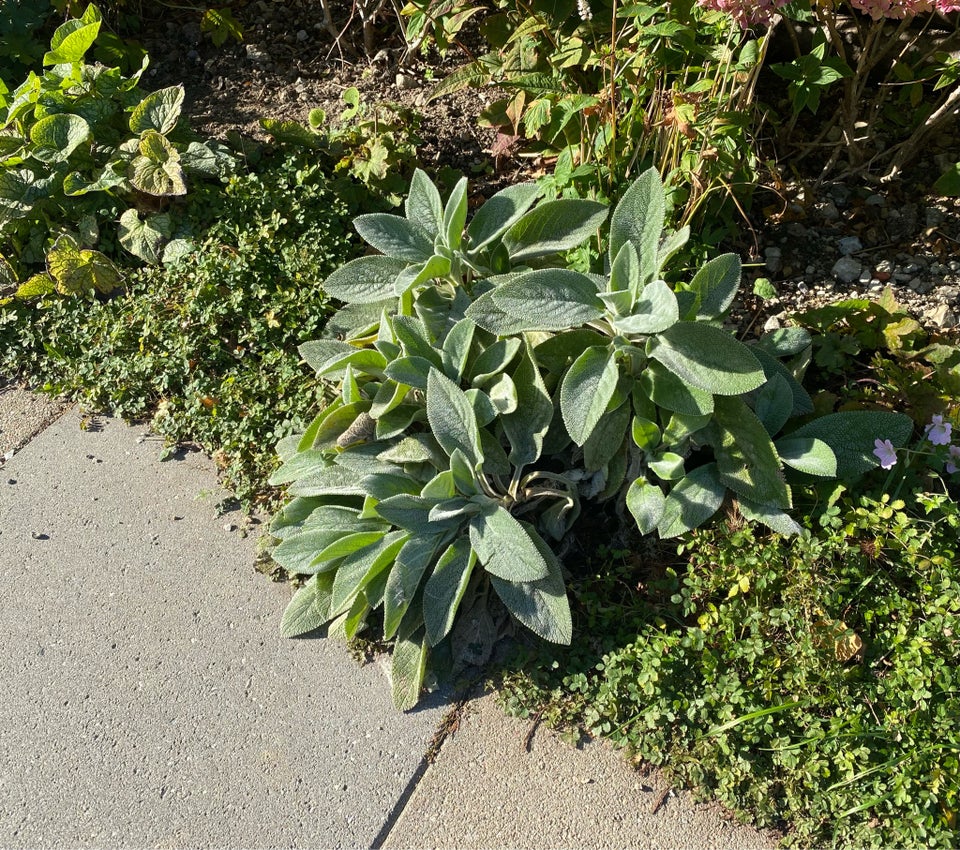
x=485 y=396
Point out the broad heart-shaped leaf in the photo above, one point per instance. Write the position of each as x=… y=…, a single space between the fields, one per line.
x=716 y=284
x=587 y=388
x=394 y=236
x=8 y=278
x=808 y=454
x=851 y=435
x=553 y=227
x=310 y=607
x=364 y=280
x=36 y=285
x=542 y=606
x=708 y=358
x=71 y=41
x=407 y=669
x=445 y=588
x=157 y=170
x=451 y=417
x=113 y=174
x=423 y=205
x=654 y=312
x=504 y=548
x=645 y=501
x=158 y=111
x=145 y=239
x=639 y=218
x=746 y=457
x=528 y=425
x=500 y=213
x=77 y=270
x=694 y=499
x=57 y=136
x=550 y=299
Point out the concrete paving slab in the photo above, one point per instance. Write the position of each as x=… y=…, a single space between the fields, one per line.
x=22 y=415
x=486 y=791
x=149 y=700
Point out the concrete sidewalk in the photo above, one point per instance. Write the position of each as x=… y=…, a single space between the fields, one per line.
x=149 y=700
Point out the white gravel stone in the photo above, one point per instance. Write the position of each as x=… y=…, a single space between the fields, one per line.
x=846 y=269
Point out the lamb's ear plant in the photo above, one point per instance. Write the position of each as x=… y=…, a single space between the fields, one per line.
x=487 y=395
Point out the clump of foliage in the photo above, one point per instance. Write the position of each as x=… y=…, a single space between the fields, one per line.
x=874 y=353
x=207 y=345
x=373 y=145
x=485 y=396
x=609 y=88
x=810 y=683
x=81 y=145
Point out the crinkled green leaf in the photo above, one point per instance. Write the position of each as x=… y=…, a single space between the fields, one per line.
x=451 y=417
x=716 y=284
x=423 y=204
x=158 y=111
x=407 y=668
x=553 y=227
x=654 y=312
x=639 y=218
x=57 y=136
x=394 y=236
x=645 y=501
x=309 y=608
x=500 y=213
x=550 y=299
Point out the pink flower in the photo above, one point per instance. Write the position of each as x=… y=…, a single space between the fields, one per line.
x=945 y=7
x=952 y=467
x=885 y=452
x=938 y=431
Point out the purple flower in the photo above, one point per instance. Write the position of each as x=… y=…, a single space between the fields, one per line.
x=885 y=452
x=951 y=466
x=938 y=431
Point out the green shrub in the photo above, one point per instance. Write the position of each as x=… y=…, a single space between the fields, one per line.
x=206 y=346
x=808 y=683
x=479 y=384
x=81 y=146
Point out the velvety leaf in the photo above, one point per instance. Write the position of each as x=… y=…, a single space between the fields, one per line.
x=691 y=502
x=625 y=272
x=550 y=299
x=708 y=358
x=451 y=417
x=528 y=425
x=607 y=437
x=357 y=569
x=407 y=668
x=670 y=392
x=851 y=435
x=785 y=342
x=540 y=605
x=716 y=284
x=394 y=236
x=456 y=349
x=746 y=457
x=411 y=564
x=493 y=360
x=364 y=280
x=774 y=403
x=484 y=313
x=639 y=218
x=445 y=588
x=500 y=213
x=455 y=215
x=645 y=501
x=808 y=454
x=587 y=388
x=310 y=607
x=773 y=518
x=300 y=464
x=654 y=312
x=326 y=481
x=423 y=205
x=802 y=403
x=553 y=227
x=414 y=341
x=504 y=548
